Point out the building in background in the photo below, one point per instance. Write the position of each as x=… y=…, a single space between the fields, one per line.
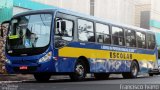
x=147 y=15
x=122 y=11
x=6 y=7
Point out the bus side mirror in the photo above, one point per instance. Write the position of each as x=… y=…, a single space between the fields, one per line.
x=63 y=25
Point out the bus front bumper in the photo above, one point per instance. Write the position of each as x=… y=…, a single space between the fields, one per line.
x=30 y=68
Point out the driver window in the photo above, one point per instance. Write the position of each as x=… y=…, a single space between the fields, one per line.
x=66 y=34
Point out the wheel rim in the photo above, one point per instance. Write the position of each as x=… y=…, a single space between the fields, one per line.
x=134 y=70
x=80 y=70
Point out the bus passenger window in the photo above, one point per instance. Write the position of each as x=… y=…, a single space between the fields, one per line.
x=100 y=39
x=118 y=36
x=66 y=34
x=115 y=40
x=151 y=41
x=130 y=38
x=141 y=39
x=85 y=31
x=107 y=39
x=103 y=33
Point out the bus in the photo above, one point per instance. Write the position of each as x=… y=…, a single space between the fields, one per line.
x=62 y=42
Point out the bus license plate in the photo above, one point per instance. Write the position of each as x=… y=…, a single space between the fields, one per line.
x=23 y=68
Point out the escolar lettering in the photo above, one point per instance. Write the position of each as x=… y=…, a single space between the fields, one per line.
x=118 y=55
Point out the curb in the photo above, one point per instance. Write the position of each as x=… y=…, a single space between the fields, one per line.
x=8 y=82
x=7 y=74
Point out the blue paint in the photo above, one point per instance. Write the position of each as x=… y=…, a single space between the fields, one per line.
x=98 y=47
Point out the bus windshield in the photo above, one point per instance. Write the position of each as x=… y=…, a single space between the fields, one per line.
x=31 y=31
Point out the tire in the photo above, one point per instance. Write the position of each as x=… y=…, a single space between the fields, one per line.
x=42 y=77
x=126 y=75
x=101 y=76
x=151 y=74
x=133 y=71
x=79 y=71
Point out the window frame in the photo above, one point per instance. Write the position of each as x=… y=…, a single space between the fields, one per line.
x=154 y=41
x=88 y=20
x=72 y=27
x=103 y=33
x=69 y=17
x=110 y=25
x=126 y=29
x=118 y=35
x=143 y=32
x=65 y=16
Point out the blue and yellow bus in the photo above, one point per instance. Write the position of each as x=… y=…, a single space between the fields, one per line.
x=57 y=41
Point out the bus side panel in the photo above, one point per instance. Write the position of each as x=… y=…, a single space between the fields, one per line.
x=65 y=64
x=99 y=58
x=148 y=62
x=145 y=66
x=109 y=66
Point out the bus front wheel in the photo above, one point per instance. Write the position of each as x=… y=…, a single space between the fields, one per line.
x=79 y=71
x=42 y=77
x=133 y=71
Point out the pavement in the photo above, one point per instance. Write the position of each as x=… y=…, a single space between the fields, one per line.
x=26 y=77
x=115 y=82
x=29 y=77
x=15 y=77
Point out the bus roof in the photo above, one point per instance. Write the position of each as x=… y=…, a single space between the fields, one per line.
x=85 y=16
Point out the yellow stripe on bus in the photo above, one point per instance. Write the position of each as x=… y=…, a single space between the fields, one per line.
x=104 y=54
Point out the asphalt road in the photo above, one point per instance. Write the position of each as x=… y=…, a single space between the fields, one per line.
x=113 y=83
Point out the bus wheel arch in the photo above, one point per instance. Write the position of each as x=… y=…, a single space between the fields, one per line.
x=85 y=61
x=81 y=68
x=134 y=69
x=135 y=60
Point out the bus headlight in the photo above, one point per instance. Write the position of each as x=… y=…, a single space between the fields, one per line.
x=8 y=61
x=45 y=58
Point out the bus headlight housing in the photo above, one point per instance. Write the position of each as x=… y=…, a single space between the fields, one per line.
x=45 y=58
x=8 y=61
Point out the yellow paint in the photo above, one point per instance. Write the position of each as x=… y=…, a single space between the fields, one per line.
x=13 y=36
x=103 y=54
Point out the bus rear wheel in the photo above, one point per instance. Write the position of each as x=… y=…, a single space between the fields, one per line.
x=42 y=77
x=101 y=76
x=79 y=71
x=133 y=71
